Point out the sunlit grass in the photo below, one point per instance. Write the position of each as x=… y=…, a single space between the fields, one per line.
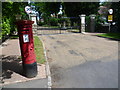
x=110 y=35
x=39 y=50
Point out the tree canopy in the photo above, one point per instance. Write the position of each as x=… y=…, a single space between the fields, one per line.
x=74 y=9
x=9 y=11
x=70 y=9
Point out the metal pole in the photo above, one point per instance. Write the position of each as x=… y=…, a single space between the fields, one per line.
x=109 y=26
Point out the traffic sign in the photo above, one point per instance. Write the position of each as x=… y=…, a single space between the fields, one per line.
x=110 y=11
x=28 y=9
x=110 y=18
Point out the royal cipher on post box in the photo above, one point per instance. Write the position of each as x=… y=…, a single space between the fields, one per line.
x=27 y=47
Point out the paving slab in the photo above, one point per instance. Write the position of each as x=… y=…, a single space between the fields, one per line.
x=12 y=66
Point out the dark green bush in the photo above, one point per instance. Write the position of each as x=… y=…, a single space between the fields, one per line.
x=53 y=21
x=41 y=23
x=61 y=20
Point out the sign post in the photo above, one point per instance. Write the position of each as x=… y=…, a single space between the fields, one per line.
x=28 y=10
x=110 y=17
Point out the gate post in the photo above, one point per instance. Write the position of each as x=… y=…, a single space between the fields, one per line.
x=82 y=23
x=92 y=23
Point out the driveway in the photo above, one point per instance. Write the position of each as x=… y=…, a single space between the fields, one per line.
x=82 y=61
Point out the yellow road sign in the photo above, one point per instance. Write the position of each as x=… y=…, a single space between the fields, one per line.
x=110 y=18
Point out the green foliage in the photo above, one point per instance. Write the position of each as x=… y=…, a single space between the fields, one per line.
x=116 y=13
x=110 y=35
x=67 y=20
x=39 y=51
x=41 y=23
x=53 y=21
x=14 y=37
x=9 y=12
x=70 y=9
x=48 y=7
x=6 y=27
x=46 y=18
x=74 y=9
x=116 y=8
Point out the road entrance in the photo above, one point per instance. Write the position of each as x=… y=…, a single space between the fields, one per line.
x=63 y=28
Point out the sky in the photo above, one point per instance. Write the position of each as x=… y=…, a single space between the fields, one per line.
x=105 y=0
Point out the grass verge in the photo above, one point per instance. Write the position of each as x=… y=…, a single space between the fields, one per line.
x=39 y=50
x=110 y=35
x=14 y=37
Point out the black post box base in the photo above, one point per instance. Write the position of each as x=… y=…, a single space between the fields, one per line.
x=30 y=70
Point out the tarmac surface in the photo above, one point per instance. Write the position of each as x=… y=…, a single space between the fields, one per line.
x=82 y=61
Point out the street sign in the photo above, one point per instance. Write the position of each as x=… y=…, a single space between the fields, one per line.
x=110 y=18
x=28 y=9
x=110 y=11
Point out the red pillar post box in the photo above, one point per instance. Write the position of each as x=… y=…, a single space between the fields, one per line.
x=27 y=47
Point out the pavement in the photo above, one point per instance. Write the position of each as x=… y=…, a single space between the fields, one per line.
x=12 y=76
x=82 y=60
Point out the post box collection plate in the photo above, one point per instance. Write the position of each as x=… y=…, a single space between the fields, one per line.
x=25 y=38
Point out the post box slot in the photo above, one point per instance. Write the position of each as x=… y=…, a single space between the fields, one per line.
x=25 y=26
x=25 y=30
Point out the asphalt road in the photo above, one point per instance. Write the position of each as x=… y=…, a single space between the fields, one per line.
x=82 y=61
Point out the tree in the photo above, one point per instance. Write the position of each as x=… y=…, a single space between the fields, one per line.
x=116 y=9
x=45 y=9
x=74 y=9
x=9 y=11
